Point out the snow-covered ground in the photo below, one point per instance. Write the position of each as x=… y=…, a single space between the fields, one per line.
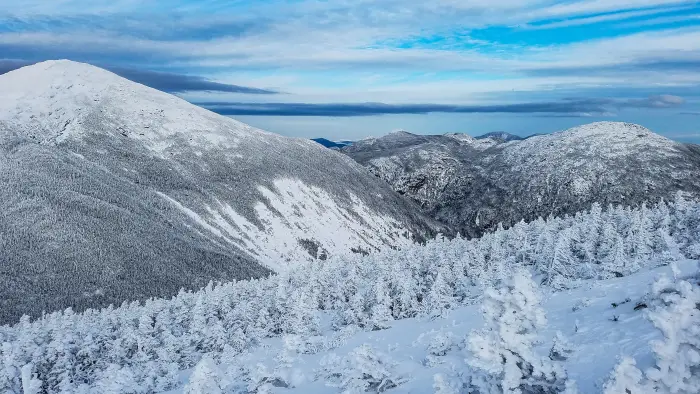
x=598 y=320
x=395 y=319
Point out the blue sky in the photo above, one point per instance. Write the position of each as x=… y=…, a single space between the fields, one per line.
x=348 y=69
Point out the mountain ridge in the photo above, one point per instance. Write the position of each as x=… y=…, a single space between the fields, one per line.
x=475 y=187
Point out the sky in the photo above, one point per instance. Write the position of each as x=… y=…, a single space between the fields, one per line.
x=348 y=69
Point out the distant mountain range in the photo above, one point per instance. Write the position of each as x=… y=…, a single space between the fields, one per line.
x=473 y=184
x=488 y=138
x=113 y=191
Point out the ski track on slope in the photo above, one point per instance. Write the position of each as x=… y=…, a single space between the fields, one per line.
x=598 y=342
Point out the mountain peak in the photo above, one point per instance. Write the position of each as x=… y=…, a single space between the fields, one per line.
x=499 y=136
x=56 y=100
x=460 y=137
x=619 y=132
x=608 y=127
x=400 y=132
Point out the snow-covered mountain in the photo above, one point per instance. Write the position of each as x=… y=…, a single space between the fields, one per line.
x=500 y=136
x=473 y=186
x=114 y=191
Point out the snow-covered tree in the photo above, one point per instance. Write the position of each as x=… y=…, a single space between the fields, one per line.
x=117 y=380
x=443 y=384
x=30 y=383
x=561 y=348
x=563 y=264
x=677 y=367
x=364 y=369
x=626 y=378
x=205 y=379
x=503 y=356
x=440 y=298
x=380 y=315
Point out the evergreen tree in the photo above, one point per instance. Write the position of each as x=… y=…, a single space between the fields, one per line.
x=380 y=317
x=677 y=367
x=503 y=355
x=205 y=379
x=626 y=378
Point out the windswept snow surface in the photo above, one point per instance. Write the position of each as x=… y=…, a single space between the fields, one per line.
x=597 y=331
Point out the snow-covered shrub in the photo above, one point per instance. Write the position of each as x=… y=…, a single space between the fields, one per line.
x=443 y=384
x=626 y=378
x=504 y=360
x=364 y=369
x=441 y=343
x=678 y=355
x=561 y=349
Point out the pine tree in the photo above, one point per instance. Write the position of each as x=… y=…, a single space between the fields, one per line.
x=380 y=316
x=503 y=355
x=30 y=383
x=440 y=298
x=561 y=268
x=617 y=263
x=205 y=379
x=626 y=378
x=678 y=356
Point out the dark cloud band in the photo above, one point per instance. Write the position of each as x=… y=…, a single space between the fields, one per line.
x=567 y=107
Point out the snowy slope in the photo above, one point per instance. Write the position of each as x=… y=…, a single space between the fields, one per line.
x=115 y=191
x=474 y=184
x=585 y=316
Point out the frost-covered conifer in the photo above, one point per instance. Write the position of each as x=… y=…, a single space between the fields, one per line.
x=626 y=378
x=677 y=367
x=503 y=356
x=206 y=378
x=30 y=383
x=443 y=384
x=560 y=269
x=440 y=298
x=380 y=315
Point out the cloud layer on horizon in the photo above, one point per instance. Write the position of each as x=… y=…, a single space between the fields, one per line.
x=568 y=107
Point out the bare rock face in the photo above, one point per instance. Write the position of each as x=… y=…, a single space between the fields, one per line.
x=474 y=184
x=113 y=191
